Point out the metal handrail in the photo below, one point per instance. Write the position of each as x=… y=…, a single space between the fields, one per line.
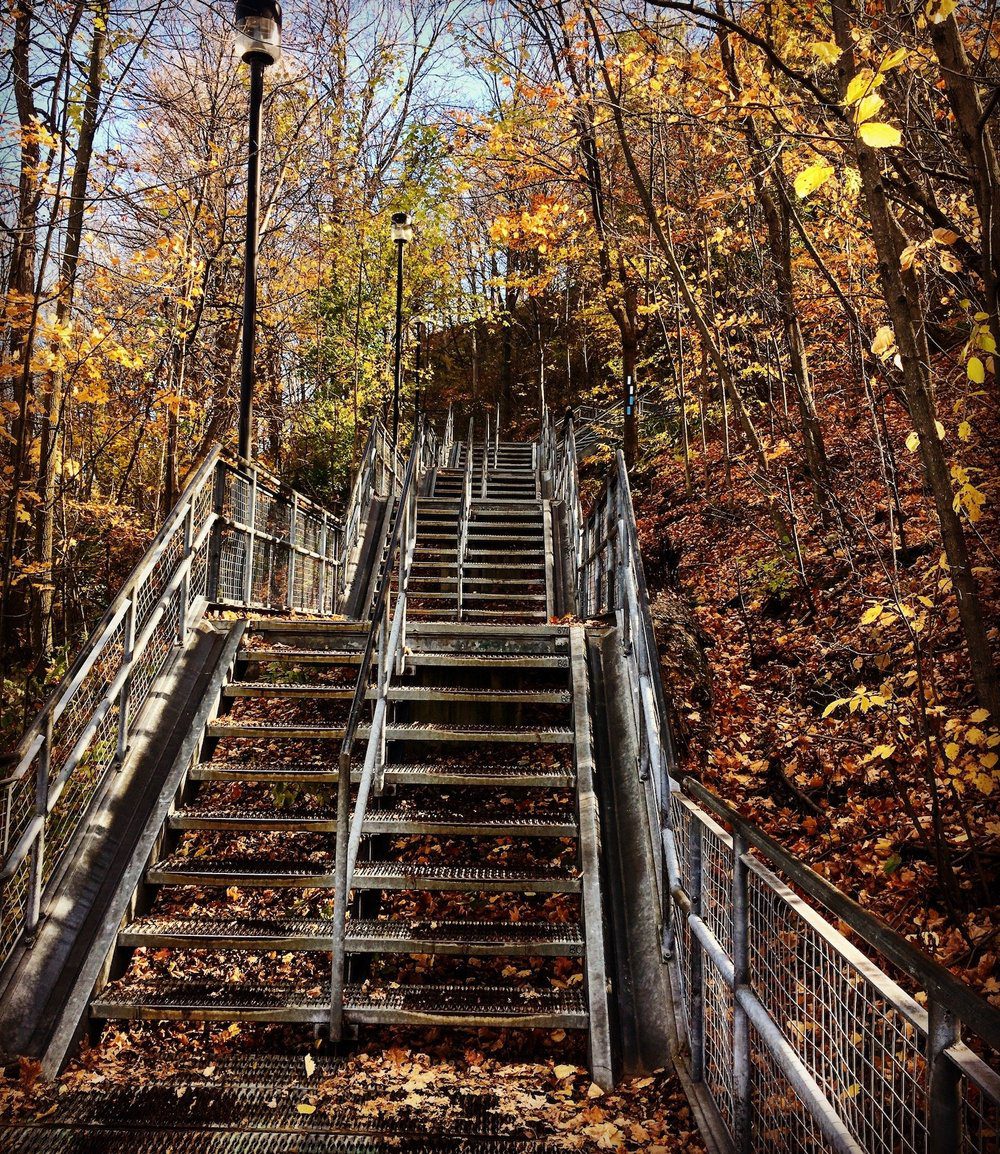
x=448 y=439
x=390 y=641
x=463 y=522
x=486 y=454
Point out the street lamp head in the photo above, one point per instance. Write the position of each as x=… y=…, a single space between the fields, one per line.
x=258 y=30
x=402 y=227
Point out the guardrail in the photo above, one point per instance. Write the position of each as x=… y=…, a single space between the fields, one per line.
x=797 y=1040
x=390 y=640
x=379 y=475
x=237 y=537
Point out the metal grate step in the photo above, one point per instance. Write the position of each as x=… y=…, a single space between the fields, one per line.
x=228 y=933
x=384 y=875
x=272 y=689
x=481 y=696
x=237 y=818
x=318 y=774
x=487 y=1006
x=454 y=823
x=303 y=656
x=503 y=776
x=499 y=939
x=487 y=660
x=428 y=731
x=223 y=728
x=254 y=872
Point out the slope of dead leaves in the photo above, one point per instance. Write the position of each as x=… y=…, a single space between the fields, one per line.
x=803 y=708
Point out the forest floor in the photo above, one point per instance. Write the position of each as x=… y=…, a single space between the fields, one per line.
x=799 y=702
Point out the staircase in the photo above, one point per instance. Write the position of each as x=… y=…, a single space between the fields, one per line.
x=475 y=898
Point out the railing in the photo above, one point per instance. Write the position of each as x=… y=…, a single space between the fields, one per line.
x=484 y=463
x=463 y=524
x=565 y=480
x=798 y=1040
x=235 y=537
x=390 y=641
x=273 y=548
x=448 y=440
x=379 y=476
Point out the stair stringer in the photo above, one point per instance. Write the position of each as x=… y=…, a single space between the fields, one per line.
x=595 y=970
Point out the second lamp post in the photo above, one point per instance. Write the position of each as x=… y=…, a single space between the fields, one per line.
x=402 y=234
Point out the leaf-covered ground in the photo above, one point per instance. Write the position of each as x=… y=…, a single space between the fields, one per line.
x=838 y=711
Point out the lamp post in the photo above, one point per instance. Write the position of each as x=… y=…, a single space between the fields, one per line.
x=258 y=43
x=402 y=234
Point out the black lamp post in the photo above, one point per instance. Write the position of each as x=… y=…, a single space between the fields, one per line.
x=258 y=42
x=402 y=234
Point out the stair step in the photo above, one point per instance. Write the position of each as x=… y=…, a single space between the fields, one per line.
x=364 y=1004
x=427 y=731
x=498 y=939
x=247 y=872
x=453 y=824
x=490 y=660
x=293 y=692
x=387 y=875
x=236 y=818
x=223 y=728
x=304 y=656
x=506 y=596
x=499 y=776
x=480 y=696
x=228 y=933
x=465 y=1006
x=323 y=774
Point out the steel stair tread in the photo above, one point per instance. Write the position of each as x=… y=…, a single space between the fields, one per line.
x=272 y=772
x=450 y=822
x=228 y=933
x=375 y=875
x=429 y=731
x=245 y=818
x=511 y=660
x=272 y=689
x=488 y=1006
x=480 y=696
x=224 y=728
x=304 y=656
x=242 y=872
x=526 y=939
x=509 y=776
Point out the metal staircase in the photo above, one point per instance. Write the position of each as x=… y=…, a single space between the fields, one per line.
x=474 y=834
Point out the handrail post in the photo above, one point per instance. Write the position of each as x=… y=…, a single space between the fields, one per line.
x=324 y=568
x=293 y=517
x=696 y=972
x=944 y=1081
x=36 y=879
x=251 y=534
x=740 y=911
x=125 y=696
x=184 y=600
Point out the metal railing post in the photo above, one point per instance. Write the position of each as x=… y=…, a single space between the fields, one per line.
x=944 y=1081
x=125 y=696
x=36 y=879
x=740 y=912
x=696 y=963
x=184 y=600
x=251 y=534
x=293 y=527
x=339 y=942
x=324 y=568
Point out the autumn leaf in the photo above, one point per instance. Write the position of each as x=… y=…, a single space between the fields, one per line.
x=826 y=50
x=812 y=178
x=976 y=370
x=878 y=135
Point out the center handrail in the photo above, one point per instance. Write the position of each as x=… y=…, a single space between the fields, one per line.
x=463 y=521
x=390 y=640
